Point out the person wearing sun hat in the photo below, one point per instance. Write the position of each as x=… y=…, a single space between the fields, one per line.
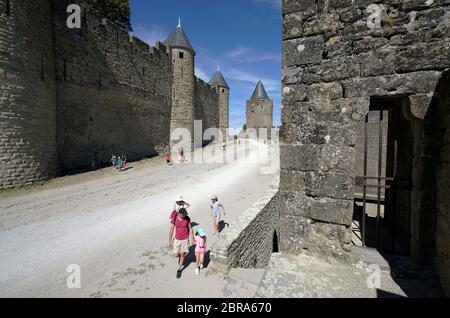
x=178 y=204
x=200 y=248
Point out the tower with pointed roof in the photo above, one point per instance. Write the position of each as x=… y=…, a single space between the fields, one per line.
x=183 y=85
x=260 y=110
x=223 y=91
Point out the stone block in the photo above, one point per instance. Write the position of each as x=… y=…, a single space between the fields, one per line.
x=291 y=180
x=292 y=25
x=303 y=51
x=398 y=84
x=329 y=184
x=300 y=157
x=290 y=6
x=326 y=24
x=419 y=104
x=337 y=158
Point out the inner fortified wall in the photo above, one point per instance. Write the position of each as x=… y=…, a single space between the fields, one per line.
x=69 y=97
x=113 y=92
x=28 y=147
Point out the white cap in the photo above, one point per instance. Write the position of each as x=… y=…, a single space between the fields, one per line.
x=179 y=198
x=214 y=197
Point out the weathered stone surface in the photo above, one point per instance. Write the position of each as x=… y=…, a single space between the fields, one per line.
x=292 y=180
x=303 y=51
x=327 y=24
x=370 y=50
x=426 y=56
x=398 y=84
x=295 y=6
x=337 y=69
x=324 y=209
x=299 y=157
x=329 y=184
x=293 y=25
x=336 y=158
x=248 y=242
x=302 y=234
x=419 y=105
x=292 y=74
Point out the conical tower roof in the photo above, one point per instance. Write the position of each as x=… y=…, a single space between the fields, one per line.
x=218 y=80
x=260 y=92
x=178 y=39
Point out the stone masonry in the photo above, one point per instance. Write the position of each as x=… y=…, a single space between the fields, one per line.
x=249 y=241
x=338 y=56
x=28 y=149
x=72 y=96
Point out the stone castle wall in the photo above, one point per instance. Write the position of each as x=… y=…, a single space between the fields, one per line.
x=206 y=105
x=72 y=96
x=338 y=55
x=27 y=94
x=249 y=241
x=113 y=92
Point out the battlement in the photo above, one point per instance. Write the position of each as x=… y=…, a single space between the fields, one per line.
x=206 y=88
x=111 y=32
x=95 y=89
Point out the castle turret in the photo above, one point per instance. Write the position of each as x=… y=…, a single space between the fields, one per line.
x=224 y=97
x=28 y=148
x=260 y=109
x=183 y=89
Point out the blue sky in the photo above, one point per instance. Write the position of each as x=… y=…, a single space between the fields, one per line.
x=242 y=36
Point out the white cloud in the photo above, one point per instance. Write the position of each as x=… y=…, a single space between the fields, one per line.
x=243 y=54
x=150 y=36
x=199 y=72
x=238 y=52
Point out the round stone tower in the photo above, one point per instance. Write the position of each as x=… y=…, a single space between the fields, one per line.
x=223 y=90
x=28 y=150
x=183 y=84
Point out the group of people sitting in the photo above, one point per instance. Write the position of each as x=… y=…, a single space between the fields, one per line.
x=119 y=163
x=182 y=235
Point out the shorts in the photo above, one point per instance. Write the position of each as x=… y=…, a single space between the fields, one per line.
x=180 y=246
x=198 y=253
x=217 y=216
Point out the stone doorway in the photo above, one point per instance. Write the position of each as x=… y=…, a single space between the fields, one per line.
x=383 y=167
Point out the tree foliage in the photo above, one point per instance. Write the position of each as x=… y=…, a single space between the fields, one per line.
x=117 y=11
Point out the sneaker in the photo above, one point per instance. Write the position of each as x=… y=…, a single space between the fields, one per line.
x=197 y=271
x=201 y=266
x=179 y=273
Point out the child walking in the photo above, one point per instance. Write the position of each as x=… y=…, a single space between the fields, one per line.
x=216 y=211
x=200 y=249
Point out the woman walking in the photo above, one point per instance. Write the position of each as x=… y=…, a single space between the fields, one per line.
x=180 y=240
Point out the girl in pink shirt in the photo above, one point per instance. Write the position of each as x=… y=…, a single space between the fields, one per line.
x=200 y=248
